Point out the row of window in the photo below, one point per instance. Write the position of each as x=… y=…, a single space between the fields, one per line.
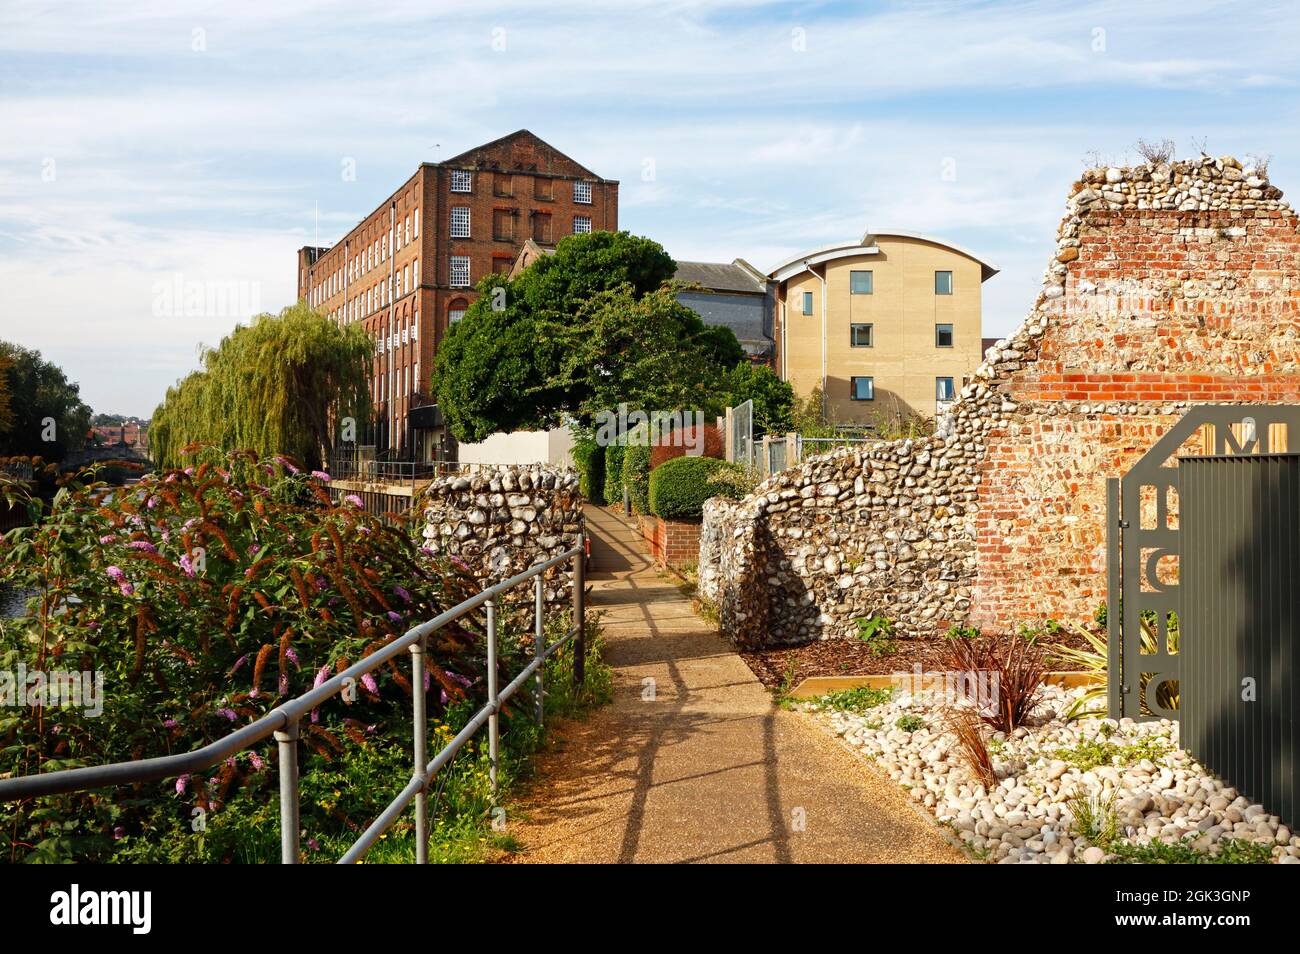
x=402 y=232
x=863 y=388
x=863 y=283
x=405 y=378
x=503 y=224
x=462 y=180
x=406 y=335
x=864 y=335
x=405 y=281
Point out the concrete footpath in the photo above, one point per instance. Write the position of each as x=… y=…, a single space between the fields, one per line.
x=692 y=761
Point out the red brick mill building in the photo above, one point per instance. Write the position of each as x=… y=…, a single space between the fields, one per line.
x=407 y=271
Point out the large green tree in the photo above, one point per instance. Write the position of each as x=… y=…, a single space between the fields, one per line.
x=278 y=385
x=773 y=398
x=41 y=411
x=585 y=329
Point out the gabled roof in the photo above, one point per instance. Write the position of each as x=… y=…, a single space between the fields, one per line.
x=737 y=276
x=468 y=154
x=867 y=246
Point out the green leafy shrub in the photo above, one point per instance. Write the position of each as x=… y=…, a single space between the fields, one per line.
x=878 y=634
x=679 y=487
x=636 y=475
x=733 y=482
x=910 y=723
x=1229 y=851
x=589 y=459
x=614 y=473
x=857 y=700
x=1093 y=752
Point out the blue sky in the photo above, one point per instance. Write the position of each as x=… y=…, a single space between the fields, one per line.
x=148 y=140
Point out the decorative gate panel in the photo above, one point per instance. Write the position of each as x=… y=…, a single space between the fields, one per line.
x=1143 y=548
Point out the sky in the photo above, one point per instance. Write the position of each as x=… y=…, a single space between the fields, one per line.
x=151 y=145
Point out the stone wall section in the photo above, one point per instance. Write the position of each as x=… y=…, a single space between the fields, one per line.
x=500 y=521
x=1172 y=285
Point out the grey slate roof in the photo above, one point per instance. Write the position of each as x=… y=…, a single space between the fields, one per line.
x=721 y=276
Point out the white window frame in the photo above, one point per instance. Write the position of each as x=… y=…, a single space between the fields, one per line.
x=460 y=229
x=582 y=192
x=586 y=228
x=459 y=262
x=462 y=180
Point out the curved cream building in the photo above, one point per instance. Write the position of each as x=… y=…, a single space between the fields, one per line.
x=886 y=325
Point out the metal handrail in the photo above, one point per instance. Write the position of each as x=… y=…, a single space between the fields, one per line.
x=282 y=721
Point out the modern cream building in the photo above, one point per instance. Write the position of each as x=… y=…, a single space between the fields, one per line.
x=887 y=325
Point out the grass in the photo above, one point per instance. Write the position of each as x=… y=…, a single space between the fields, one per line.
x=461 y=807
x=1094 y=818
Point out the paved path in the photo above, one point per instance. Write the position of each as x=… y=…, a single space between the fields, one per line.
x=709 y=769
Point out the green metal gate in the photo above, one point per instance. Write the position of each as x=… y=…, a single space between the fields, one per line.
x=1144 y=549
x=1239 y=706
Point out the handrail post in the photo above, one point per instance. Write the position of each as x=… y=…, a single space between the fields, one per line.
x=420 y=725
x=580 y=614
x=493 y=716
x=287 y=741
x=539 y=636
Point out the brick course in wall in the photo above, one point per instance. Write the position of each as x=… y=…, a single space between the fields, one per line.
x=671 y=542
x=1172 y=285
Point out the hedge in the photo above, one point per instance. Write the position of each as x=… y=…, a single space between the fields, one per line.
x=589 y=458
x=636 y=475
x=679 y=487
x=614 y=474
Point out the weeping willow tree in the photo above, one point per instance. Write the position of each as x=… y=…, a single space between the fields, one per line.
x=279 y=385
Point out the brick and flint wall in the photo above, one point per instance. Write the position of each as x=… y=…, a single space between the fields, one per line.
x=1172 y=285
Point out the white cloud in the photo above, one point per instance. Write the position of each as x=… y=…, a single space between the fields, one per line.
x=211 y=163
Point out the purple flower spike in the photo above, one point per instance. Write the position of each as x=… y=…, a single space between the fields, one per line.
x=321 y=475
x=368 y=680
x=182 y=784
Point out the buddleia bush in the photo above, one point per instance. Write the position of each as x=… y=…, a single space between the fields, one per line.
x=205 y=597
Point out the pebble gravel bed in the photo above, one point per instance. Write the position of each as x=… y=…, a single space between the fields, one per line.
x=1028 y=818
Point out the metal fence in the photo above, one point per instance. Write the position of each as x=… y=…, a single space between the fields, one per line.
x=406 y=473
x=283 y=721
x=1239 y=706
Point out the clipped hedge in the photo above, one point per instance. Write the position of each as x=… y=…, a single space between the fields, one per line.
x=589 y=459
x=679 y=487
x=636 y=475
x=614 y=473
